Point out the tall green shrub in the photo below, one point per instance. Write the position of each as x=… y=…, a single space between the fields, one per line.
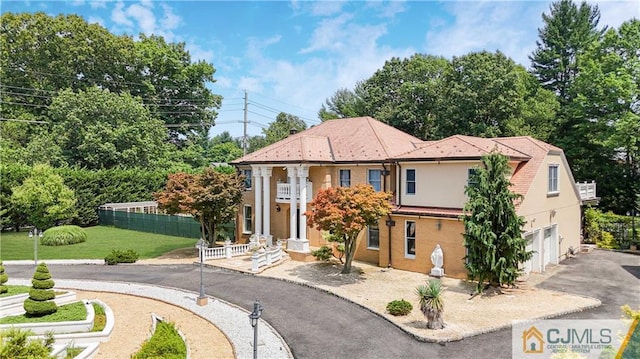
x=3 y=279
x=41 y=296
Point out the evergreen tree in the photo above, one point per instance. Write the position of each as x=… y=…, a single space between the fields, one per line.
x=493 y=230
x=41 y=295
x=568 y=31
x=3 y=279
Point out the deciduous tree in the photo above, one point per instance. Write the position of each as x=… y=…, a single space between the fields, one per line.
x=493 y=230
x=345 y=212
x=44 y=198
x=211 y=197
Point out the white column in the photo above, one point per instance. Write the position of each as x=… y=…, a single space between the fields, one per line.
x=291 y=172
x=303 y=173
x=266 y=189
x=257 y=206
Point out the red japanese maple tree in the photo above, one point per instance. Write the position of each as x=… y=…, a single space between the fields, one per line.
x=345 y=212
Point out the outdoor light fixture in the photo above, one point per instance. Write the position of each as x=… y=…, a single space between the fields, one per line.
x=253 y=317
x=202 y=299
x=35 y=234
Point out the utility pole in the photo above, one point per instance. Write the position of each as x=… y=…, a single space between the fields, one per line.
x=244 y=137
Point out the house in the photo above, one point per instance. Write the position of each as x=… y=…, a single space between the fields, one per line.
x=427 y=180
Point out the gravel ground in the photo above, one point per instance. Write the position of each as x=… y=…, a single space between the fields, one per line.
x=373 y=287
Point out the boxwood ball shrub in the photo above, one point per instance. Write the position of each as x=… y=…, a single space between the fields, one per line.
x=63 y=235
x=399 y=307
x=3 y=279
x=41 y=294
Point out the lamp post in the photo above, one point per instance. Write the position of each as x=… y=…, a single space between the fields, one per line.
x=253 y=317
x=35 y=234
x=202 y=299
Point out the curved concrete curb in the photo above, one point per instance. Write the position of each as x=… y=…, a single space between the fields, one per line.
x=232 y=320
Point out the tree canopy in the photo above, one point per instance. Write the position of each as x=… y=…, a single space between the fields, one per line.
x=44 y=57
x=345 y=211
x=211 y=197
x=44 y=198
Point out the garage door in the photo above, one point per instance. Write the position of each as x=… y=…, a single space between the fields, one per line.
x=533 y=244
x=547 y=246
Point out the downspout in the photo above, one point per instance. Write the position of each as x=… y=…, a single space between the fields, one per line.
x=384 y=178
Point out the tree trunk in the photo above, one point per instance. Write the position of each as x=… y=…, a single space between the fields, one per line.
x=349 y=249
x=434 y=319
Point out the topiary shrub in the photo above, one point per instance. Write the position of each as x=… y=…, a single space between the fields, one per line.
x=41 y=295
x=63 y=235
x=399 y=307
x=120 y=256
x=3 y=279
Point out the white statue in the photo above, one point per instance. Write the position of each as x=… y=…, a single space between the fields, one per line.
x=437 y=258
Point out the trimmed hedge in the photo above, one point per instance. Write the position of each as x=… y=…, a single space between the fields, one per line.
x=36 y=308
x=120 y=256
x=63 y=235
x=3 y=279
x=165 y=343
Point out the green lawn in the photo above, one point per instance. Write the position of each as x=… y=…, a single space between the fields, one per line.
x=101 y=240
x=15 y=290
x=66 y=313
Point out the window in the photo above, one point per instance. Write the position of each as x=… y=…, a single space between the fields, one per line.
x=411 y=181
x=246 y=223
x=345 y=178
x=375 y=179
x=553 y=179
x=471 y=180
x=410 y=239
x=247 y=179
x=373 y=237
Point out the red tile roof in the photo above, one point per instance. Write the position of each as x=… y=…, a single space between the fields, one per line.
x=359 y=139
x=461 y=147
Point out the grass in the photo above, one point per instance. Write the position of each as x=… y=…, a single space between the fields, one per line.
x=66 y=313
x=15 y=290
x=100 y=319
x=101 y=240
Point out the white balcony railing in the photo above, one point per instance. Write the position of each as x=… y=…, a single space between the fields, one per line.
x=283 y=192
x=587 y=190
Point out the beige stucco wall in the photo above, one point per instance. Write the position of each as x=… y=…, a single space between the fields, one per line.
x=428 y=234
x=542 y=210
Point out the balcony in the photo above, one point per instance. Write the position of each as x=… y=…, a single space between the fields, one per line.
x=283 y=192
x=587 y=191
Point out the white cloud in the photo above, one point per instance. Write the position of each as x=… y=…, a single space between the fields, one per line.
x=119 y=16
x=95 y=20
x=388 y=9
x=224 y=82
x=77 y=2
x=170 y=20
x=326 y=8
x=144 y=18
x=614 y=13
x=198 y=53
x=96 y=4
x=487 y=26
x=251 y=84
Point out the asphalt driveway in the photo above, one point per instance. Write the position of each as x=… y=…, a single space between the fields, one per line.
x=319 y=325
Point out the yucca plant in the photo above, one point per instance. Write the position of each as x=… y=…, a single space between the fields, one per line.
x=432 y=303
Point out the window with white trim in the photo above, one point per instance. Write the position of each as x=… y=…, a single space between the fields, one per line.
x=247 y=179
x=411 y=181
x=410 y=239
x=553 y=179
x=373 y=237
x=246 y=216
x=345 y=178
x=375 y=179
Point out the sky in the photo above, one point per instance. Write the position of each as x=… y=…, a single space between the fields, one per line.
x=290 y=56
